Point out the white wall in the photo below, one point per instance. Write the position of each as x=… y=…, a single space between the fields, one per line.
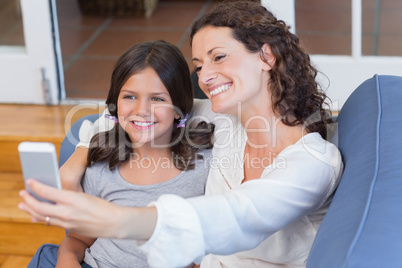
x=20 y=67
x=344 y=72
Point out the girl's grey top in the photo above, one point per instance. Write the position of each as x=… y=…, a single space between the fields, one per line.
x=109 y=185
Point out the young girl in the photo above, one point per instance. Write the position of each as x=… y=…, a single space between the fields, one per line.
x=150 y=150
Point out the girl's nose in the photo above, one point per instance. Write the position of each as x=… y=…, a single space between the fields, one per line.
x=142 y=108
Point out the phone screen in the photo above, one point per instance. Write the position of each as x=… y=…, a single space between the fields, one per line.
x=39 y=162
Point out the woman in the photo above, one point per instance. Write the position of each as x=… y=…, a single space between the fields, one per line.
x=273 y=174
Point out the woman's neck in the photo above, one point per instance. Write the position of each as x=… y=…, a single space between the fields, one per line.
x=264 y=128
x=271 y=133
x=265 y=141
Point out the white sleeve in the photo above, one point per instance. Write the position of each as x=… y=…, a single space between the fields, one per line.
x=238 y=220
x=89 y=129
x=177 y=240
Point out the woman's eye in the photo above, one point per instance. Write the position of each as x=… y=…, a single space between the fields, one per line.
x=197 y=69
x=157 y=99
x=220 y=57
x=129 y=97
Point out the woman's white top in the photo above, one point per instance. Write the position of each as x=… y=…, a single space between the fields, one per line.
x=269 y=222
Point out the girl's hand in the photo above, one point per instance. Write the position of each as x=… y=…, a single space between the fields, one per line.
x=67 y=263
x=88 y=215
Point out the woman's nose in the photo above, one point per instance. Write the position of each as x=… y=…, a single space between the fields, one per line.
x=207 y=75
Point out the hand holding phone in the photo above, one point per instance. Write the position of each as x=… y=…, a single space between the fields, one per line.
x=39 y=162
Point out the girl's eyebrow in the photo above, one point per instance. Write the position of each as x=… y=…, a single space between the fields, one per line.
x=160 y=93
x=127 y=91
x=152 y=93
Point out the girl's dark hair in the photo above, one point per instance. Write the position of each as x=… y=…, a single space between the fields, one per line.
x=296 y=96
x=114 y=146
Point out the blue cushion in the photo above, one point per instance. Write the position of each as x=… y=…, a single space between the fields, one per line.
x=363 y=226
x=71 y=139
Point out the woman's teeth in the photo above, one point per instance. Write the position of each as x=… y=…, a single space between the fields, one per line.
x=219 y=89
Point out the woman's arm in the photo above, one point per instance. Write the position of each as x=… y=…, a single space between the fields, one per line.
x=72 y=250
x=245 y=215
x=73 y=169
x=88 y=215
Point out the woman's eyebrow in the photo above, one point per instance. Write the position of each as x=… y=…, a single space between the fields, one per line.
x=208 y=53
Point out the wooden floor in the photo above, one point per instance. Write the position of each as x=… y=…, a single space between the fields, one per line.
x=19 y=237
x=14 y=261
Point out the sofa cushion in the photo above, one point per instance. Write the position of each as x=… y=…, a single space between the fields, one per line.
x=363 y=226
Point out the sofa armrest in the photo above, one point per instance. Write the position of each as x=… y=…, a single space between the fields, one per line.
x=362 y=227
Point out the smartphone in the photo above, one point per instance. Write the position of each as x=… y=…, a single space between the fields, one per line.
x=39 y=162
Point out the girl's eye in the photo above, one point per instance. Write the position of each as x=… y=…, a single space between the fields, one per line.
x=157 y=99
x=130 y=97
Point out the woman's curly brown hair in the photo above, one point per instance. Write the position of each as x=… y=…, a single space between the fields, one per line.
x=296 y=95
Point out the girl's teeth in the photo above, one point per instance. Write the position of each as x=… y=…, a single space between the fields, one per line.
x=220 y=89
x=143 y=124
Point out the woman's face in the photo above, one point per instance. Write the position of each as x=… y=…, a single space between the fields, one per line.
x=145 y=109
x=228 y=73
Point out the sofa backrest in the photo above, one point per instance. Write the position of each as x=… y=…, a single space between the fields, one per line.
x=363 y=226
x=72 y=138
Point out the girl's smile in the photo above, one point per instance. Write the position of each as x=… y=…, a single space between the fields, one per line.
x=144 y=125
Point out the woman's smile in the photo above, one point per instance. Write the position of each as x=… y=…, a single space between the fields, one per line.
x=219 y=89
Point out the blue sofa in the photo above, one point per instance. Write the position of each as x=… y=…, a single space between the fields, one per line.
x=363 y=226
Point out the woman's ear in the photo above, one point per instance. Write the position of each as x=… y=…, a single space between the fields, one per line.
x=177 y=116
x=267 y=57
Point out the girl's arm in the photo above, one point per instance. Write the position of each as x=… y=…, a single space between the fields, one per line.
x=73 y=169
x=72 y=250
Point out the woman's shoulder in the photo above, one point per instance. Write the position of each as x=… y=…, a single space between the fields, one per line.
x=311 y=155
x=314 y=146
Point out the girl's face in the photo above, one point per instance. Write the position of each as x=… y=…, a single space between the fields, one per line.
x=145 y=109
x=228 y=73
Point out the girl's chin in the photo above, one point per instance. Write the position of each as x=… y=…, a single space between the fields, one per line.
x=139 y=141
